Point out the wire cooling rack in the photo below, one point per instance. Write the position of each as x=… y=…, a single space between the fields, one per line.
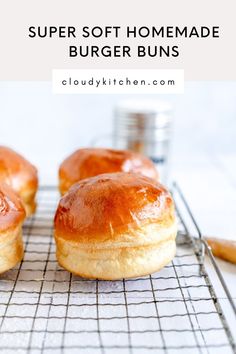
x=45 y=309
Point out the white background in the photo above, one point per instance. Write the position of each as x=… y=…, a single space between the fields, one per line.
x=25 y=58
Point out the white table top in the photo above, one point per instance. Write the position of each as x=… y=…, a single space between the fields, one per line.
x=209 y=185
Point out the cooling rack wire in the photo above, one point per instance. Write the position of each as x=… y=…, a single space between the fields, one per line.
x=44 y=309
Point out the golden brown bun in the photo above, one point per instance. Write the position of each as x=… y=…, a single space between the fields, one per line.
x=20 y=175
x=12 y=214
x=90 y=162
x=114 y=226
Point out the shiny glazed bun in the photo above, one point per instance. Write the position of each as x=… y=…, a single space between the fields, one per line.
x=20 y=175
x=90 y=162
x=12 y=214
x=114 y=226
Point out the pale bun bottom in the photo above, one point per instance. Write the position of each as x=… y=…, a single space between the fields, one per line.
x=117 y=263
x=11 y=248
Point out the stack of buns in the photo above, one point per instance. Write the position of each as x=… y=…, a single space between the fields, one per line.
x=114 y=219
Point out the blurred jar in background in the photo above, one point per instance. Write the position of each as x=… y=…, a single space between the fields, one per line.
x=144 y=126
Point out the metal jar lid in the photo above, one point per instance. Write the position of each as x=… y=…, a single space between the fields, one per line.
x=147 y=120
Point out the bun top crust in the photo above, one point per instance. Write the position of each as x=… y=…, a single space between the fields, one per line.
x=12 y=211
x=90 y=162
x=102 y=208
x=17 y=171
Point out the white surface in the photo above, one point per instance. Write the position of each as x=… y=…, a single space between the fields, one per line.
x=46 y=128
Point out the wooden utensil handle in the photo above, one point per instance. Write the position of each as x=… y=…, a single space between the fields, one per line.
x=224 y=249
